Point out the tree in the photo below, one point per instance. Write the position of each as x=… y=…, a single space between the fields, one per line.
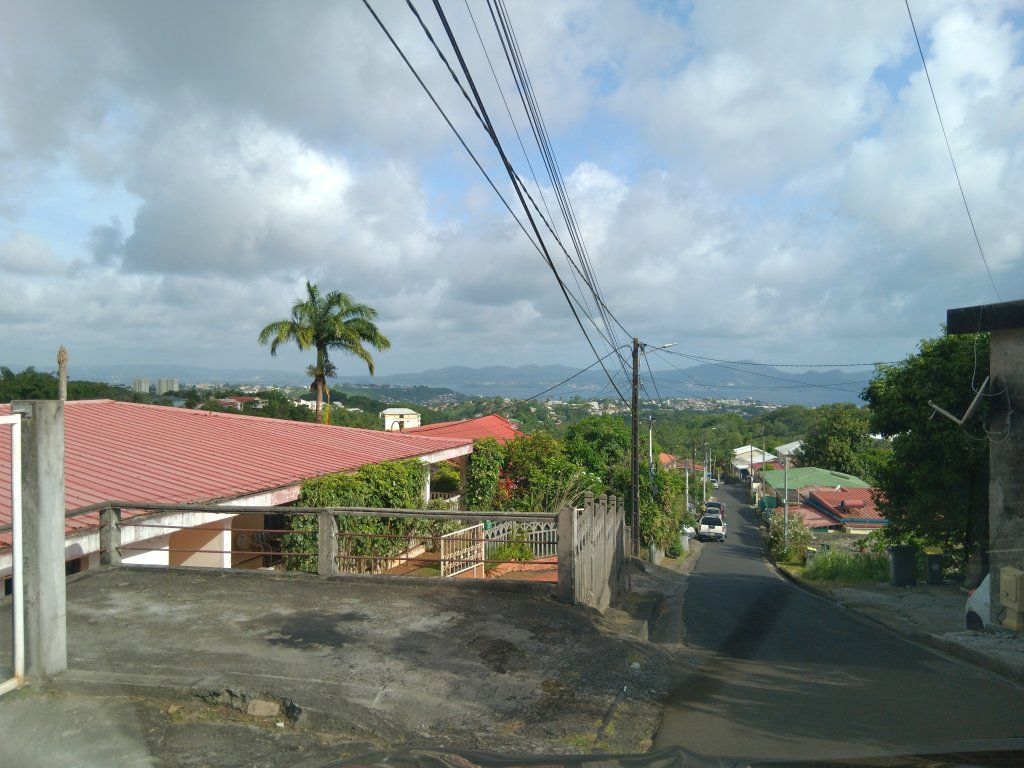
x=935 y=486
x=598 y=443
x=841 y=440
x=325 y=322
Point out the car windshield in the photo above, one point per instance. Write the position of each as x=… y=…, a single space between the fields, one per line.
x=511 y=382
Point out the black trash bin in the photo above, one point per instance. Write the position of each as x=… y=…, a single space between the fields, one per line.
x=903 y=566
x=934 y=565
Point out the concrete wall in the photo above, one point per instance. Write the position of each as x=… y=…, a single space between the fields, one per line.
x=1006 y=457
x=214 y=536
x=241 y=539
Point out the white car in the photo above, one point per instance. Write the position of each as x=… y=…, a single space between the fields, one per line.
x=978 y=611
x=711 y=527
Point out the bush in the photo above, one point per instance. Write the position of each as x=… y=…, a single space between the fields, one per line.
x=775 y=538
x=848 y=566
x=516 y=549
x=445 y=478
x=389 y=485
x=483 y=474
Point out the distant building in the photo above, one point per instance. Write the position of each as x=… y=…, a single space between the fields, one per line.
x=239 y=401
x=141 y=385
x=163 y=386
x=399 y=419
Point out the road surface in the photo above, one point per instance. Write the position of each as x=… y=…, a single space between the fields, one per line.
x=778 y=672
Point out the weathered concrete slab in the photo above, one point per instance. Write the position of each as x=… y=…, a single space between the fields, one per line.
x=377 y=662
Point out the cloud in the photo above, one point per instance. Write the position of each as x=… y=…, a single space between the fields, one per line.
x=27 y=254
x=752 y=181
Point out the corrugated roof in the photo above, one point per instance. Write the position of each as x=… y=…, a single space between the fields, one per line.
x=847 y=504
x=812 y=517
x=134 y=452
x=492 y=425
x=804 y=477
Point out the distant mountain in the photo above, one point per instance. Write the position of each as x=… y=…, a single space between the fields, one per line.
x=741 y=381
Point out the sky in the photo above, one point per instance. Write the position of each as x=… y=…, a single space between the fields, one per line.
x=756 y=181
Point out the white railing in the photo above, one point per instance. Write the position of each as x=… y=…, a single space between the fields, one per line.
x=542 y=537
x=463 y=550
x=18 y=598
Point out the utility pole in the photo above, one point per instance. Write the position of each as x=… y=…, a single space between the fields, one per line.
x=704 y=473
x=650 y=439
x=635 y=447
x=785 y=502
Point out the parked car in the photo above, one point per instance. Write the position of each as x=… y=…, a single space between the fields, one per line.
x=712 y=527
x=978 y=611
x=715 y=508
x=714 y=482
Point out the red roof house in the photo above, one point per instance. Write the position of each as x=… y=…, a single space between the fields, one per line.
x=853 y=508
x=117 y=451
x=492 y=425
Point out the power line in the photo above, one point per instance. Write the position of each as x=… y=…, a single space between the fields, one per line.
x=539 y=245
x=570 y=378
x=516 y=182
x=611 y=341
x=949 y=149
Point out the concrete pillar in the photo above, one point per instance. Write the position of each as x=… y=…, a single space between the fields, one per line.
x=1006 y=457
x=327 y=544
x=426 y=484
x=110 y=536
x=42 y=489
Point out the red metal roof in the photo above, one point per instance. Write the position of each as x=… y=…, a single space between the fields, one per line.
x=846 y=504
x=492 y=425
x=813 y=518
x=134 y=452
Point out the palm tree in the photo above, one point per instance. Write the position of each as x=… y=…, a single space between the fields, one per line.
x=326 y=322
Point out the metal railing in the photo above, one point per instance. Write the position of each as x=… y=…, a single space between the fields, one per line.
x=584 y=550
x=325 y=543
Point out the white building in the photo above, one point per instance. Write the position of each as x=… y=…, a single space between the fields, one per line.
x=141 y=385
x=398 y=419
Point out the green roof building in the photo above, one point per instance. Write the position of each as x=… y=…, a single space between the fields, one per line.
x=807 y=477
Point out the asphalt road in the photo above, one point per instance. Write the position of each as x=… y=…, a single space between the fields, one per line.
x=776 y=672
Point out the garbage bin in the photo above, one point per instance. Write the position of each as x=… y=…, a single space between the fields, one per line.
x=903 y=566
x=934 y=563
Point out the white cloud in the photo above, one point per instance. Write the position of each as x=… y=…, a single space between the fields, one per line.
x=757 y=180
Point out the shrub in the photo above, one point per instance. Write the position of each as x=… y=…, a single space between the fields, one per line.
x=389 y=485
x=775 y=538
x=516 y=549
x=483 y=474
x=848 y=566
x=445 y=478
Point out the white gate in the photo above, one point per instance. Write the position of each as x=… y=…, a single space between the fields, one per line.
x=13 y=421
x=463 y=550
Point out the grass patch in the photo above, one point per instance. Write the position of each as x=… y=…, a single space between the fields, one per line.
x=849 y=567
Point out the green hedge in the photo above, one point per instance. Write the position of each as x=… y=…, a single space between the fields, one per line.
x=388 y=485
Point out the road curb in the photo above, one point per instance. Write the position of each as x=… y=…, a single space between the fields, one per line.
x=906 y=632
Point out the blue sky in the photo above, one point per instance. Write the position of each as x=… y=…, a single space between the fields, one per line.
x=754 y=181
